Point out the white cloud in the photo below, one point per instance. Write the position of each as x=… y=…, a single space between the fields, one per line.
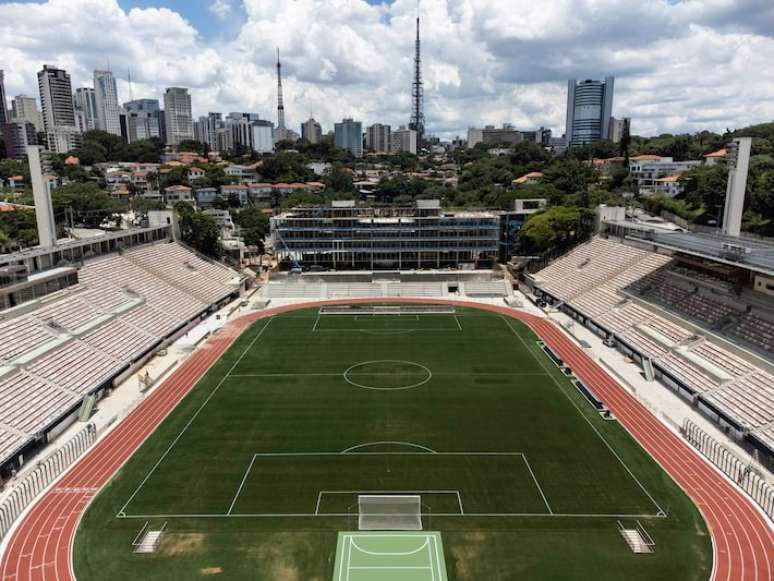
x=220 y=8
x=679 y=67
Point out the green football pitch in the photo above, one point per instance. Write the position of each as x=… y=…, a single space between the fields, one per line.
x=260 y=466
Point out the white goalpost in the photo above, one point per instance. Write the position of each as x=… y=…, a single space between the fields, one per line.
x=389 y=512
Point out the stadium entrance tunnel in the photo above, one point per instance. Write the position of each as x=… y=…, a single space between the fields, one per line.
x=387 y=375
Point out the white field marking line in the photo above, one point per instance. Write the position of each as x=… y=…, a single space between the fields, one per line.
x=420 y=492
x=593 y=427
x=437 y=554
x=430 y=560
x=401 y=554
x=349 y=557
x=196 y=414
x=388 y=442
x=241 y=484
x=540 y=489
x=400 y=388
x=441 y=374
x=343 y=514
x=316 y=321
x=458 y=323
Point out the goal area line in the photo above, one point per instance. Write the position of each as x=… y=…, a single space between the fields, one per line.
x=455 y=501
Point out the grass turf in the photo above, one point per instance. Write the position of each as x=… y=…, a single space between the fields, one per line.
x=241 y=485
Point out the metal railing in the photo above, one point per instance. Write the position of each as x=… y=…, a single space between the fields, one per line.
x=46 y=471
x=744 y=474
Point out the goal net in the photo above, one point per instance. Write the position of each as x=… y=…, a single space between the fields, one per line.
x=387 y=310
x=389 y=512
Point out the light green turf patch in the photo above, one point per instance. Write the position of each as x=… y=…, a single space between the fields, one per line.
x=376 y=556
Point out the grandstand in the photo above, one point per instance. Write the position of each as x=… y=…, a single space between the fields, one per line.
x=367 y=284
x=707 y=330
x=59 y=348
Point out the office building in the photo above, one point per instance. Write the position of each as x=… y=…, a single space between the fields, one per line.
x=17 y=135
x=311 y=131
x=106 y=100
x=377 y=138
x=206 y=129
x=403 y=139
x=56 y=99
x=262 y=136
x=142 y=120
x=475 y=136
x=349 y=135
x=177 y=115
x=589 y=108
x=345 y=236
x=491 y=135
x=25 y=108
x=86 y=104
x=616 y=129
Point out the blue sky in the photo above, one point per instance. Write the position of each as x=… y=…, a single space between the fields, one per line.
x=680 y=65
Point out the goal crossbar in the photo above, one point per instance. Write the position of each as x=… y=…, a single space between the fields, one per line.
x=387 y=310
x=389 y=512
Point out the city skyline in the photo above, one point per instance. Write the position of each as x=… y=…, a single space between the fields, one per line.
x=481 y=67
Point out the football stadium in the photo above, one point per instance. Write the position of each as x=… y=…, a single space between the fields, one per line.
x=603 y=413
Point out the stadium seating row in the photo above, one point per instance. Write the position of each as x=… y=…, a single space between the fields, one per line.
x=302 y=290
x=726 y=380
x=55 y=353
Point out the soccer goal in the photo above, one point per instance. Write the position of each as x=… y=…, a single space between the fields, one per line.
x=387 y=310
x=388 y=512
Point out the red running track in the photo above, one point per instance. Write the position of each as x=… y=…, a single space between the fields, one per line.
x=41 y=545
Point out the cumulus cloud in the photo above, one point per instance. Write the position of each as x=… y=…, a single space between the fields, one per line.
x=679 y=66
x=220 y=8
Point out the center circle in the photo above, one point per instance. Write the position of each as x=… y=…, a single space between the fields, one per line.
x=387 y=375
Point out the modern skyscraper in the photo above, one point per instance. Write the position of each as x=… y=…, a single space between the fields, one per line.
x=86 y=102
x=311 y=130
x=377 y=138
x=141 y=119
x=56 y=99
x=177 y=113
x=206 y=129
x=106 y=99
x=3 y=103
x=589 y=108
x=25 y=108
x=349 y=135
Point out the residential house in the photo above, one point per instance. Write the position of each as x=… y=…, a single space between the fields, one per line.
x=532 y=177
x=178 y=194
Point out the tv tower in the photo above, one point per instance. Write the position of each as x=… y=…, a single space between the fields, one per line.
x=280 y=104
x=417 y=122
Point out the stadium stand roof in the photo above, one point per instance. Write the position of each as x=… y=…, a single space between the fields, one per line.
x=750 y=254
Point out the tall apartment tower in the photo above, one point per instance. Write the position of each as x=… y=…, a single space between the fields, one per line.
x=24 y=108
x=589 y=108
x=56 y=99
x=3 y=104
x=86 y=103
x=177 y=114
x=378 y=138
x=311 y=130
x=349 y=135
x=106 y=98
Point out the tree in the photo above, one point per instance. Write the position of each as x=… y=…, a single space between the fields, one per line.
x=338 y=179
x=571 y=176
x=89 y=204
x=199 y=230
x=254 y=225
x=554 y=228
x=192 y=145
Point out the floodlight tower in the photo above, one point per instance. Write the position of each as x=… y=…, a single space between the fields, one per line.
x=738 y=160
